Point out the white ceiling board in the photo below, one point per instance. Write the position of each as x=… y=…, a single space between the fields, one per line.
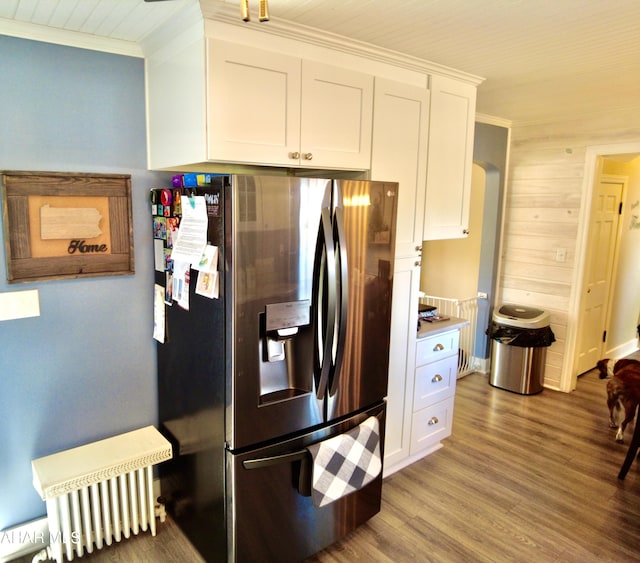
x=541 y=59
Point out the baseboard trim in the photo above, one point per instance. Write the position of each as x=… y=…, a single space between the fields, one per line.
x=482 y=365
x=623 y=350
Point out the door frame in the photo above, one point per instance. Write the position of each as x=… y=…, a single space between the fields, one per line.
x=569 y=378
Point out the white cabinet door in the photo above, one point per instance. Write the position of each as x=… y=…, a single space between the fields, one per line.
x=270 y=108
x=404 y=319
x=253 y=102
x=399 y=154
x=337 y=108
x=451 y=127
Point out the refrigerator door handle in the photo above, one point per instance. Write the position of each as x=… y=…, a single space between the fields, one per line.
x=261 y=462
x=325 y=303
x=304 y=471
x=343 y=296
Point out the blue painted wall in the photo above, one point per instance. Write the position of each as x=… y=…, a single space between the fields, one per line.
x=489 y=151
x=84 y=369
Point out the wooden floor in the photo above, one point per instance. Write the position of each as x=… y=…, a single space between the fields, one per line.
x=522 y=478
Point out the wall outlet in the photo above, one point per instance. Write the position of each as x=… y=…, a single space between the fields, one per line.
x=483 y=295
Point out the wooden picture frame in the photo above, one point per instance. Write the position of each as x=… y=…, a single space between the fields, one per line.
x=61 y=225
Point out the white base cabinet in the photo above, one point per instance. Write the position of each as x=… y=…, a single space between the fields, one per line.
x=435 y=385
x=429 y=396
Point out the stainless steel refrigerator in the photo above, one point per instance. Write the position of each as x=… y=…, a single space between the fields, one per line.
x=294 y=351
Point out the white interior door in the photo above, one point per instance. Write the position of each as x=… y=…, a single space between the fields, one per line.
x=603 y=236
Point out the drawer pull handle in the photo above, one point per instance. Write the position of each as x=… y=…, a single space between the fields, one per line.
x=433 y=421
x=437 y=378
x=438 y=348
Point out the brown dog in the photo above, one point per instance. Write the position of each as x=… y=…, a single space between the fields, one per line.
x=623 y=391
x=608 y=368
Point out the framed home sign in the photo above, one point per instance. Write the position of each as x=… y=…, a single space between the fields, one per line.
x=61 y=225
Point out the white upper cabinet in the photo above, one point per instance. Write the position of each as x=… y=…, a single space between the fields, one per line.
x=253 y=104
x=216 y=95
x=451 y=128
x=271 y=108
x=399 y=154
x=336 y=117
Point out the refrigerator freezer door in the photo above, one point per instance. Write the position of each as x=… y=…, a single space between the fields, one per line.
x=365 y=232
x=270 y=520
x=271 y=244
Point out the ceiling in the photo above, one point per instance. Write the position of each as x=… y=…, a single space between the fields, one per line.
x=542 y=60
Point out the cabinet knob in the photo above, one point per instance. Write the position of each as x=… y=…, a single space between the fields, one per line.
x=433 y=421
x=465 y=231
x=437 y=378
x=294 y=155
x=419 y=248
x=307 y=156
x=438 y=348
x=417 y=263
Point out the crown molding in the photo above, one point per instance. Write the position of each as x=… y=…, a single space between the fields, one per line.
x=230 y=15
x=68 y=38
x=493 y=120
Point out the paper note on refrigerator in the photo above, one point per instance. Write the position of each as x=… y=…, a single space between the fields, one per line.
x=158 y=255
x=192 y=232
x=208 y=279
x=208 y=261
x=158 y=313
x=181 y=282
x=208 y=285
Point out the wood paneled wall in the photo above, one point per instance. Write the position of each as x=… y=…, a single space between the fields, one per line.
x=545 y=194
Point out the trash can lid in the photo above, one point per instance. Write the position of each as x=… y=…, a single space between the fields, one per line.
x=521 y=316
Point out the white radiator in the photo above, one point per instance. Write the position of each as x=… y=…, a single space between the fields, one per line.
x=100 y=492
x=464 y=309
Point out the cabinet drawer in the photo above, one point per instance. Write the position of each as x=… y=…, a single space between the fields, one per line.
x=435 y=382
x=431 y=425
x=436 y=347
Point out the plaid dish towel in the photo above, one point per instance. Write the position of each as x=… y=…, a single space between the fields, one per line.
x=345 y=463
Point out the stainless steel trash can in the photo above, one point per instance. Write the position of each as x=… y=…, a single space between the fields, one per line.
x=520 y=336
